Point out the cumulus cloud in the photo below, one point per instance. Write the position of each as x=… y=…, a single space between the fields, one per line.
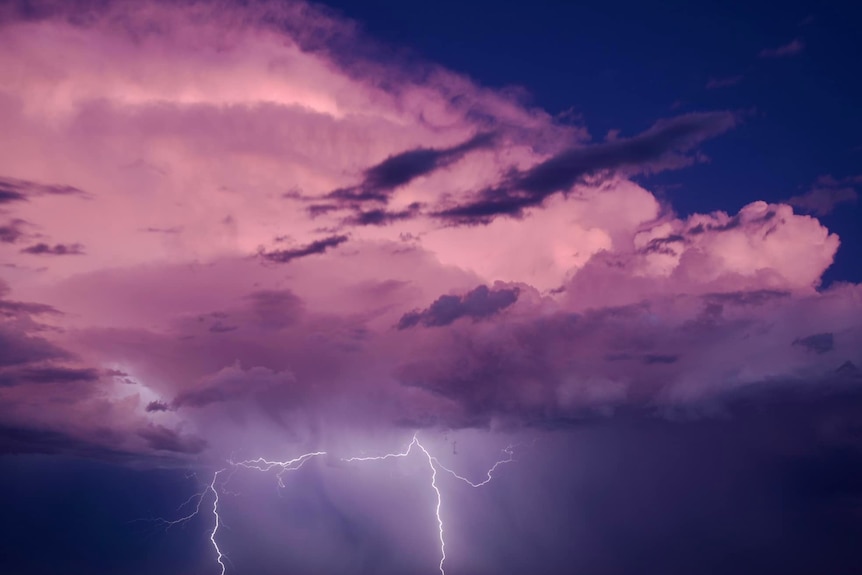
x=658 y=148
x=215 y=145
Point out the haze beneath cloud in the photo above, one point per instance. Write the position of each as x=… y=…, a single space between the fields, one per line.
x=222 y=225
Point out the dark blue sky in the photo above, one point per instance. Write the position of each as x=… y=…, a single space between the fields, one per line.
x=622 y=65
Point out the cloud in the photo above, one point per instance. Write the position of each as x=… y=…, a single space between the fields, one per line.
x=826 y=194
x=658 y=148
x=155 y=406
x=14 y=190
x=11 y=232
x=55 y=250
x=161 y=438
x=24 y=376
x=315 y=247
x=792 y=48
x=380 y=217
x=400 y=169
x=207 y=134
x=724 y=82
x=818 y=343
x=233 y=384
x=479 y=303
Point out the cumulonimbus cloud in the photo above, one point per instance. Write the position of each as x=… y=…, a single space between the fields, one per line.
x=250 y=136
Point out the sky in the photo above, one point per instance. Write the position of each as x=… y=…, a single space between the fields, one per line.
x=588 y=274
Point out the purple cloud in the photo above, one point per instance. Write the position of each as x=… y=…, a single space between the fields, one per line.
x=661 y=147
x=479 y=303
x=312 y=248
x=826 y=194
x=55 y=250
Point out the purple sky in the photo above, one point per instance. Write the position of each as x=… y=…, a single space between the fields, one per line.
x=219 y=235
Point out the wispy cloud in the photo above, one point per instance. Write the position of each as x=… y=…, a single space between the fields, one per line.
x=723 y=82
x=661 y=147
x=792 y=48
x=43 y=249
x=315 y=247
x=827 y=193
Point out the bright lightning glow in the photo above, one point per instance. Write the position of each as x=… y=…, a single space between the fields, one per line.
x=261 y=464
x=439 y=502
x=219 y=555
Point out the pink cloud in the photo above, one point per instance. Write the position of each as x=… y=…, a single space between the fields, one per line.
x=257 y=212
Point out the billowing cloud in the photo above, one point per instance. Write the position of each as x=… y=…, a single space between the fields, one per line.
x=658 y=148
x=213 y=146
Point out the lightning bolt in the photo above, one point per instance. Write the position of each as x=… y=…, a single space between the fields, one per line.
x=216 y=522
x=434 y=463
x=261 y=464
x=264 y=465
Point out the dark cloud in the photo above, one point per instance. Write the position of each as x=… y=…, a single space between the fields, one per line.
x=651 y=359
x=315 y=247
x=219 y=327
x=14 y=190
x=8 y=196
x=161 y=438
x=13 y=308
x=23 y=440
x=19 y=348
x=395 y=171
x=233 y=384
x=11 y=231
x=753 y=297
x=381 y=217
x=792 y=48
x=660 y=245
x=154 y=406
x=818 y=343
x=274 y=309
x=479 y=303
x=315 y=210
x=826 y=194
x=661 y=147
x=55 y=250
x=44 y=375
